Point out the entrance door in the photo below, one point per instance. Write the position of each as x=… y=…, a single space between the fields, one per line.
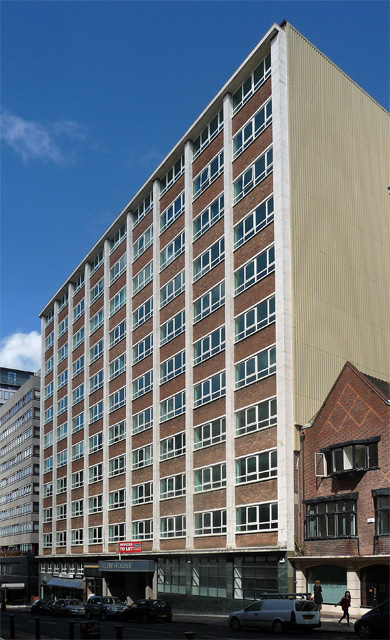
x=374 y=582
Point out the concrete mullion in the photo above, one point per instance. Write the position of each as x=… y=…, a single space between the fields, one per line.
x=156 y=365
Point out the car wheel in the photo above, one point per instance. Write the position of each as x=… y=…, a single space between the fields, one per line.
x=364 y=630
x=104 y=615
x=235 y=624
x=145 y=618
x=277 y=627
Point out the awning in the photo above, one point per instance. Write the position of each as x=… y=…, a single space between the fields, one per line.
x=65 y=582
x=12 y=585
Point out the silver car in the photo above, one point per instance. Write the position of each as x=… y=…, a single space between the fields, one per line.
x=280 y=614
x=105 y=607
x=68 y=607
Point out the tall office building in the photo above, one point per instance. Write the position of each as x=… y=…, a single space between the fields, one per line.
x=10 y=381
x=210 y=319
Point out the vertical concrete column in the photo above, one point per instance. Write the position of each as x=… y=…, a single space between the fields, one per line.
x=189 y=349
x=87 y=278
x=42 y=420
x=129 y=386
x=229 y=320
x=156 y=365
x=106 y=355
x=353 y=585
x=284 y=365
x=55 y=418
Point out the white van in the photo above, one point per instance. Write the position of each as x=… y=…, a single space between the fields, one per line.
x=279 y=614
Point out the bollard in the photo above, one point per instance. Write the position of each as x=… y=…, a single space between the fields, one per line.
x=190 y=635
x=119 y=631
x=12 y=626
x=37 y=628
x=71 y=629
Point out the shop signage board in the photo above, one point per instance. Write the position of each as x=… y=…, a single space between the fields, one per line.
x=127 y=565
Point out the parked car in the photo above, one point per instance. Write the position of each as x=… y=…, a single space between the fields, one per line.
x=42 y=607
x=104 y=607
x=374 y=623
x=149 y=611
x=68 y=607
x=280 y=614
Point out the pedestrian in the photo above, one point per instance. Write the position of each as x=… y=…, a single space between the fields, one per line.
x=345 y=603
x=317 y=596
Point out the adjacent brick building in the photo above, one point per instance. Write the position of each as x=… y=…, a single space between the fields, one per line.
x=345 y=491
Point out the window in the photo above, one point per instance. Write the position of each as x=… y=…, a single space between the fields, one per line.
x=208 y=478
x=118 y=268
x=96 y=442
x=77 y=537
x=63 y=327
x=332 y=518
x=143 y=420
x=253 y=175
x=173 y=487
x=252 y=129
x=143 y=384
x=63 y=301
x=78 y=284
x=49 y=318
x=210 y=433
x=78 y=422
x=172 y=328
x=173 y=406
x=62 y=431
x=77 y=479
x=142 y=278
x=48 y=514
x=118 y=333
x=95 y=473
x=78 y=394
x=172 y=175
x=61 y=512
x=382 y=511
x=255 y=319
x=78 y=311
x=95 y=504
x=143 y=348
x=62 y=484
x=254 y=222
x=173 y=446
x=172 y=212
x=116 y=532
x=209 y=302
x=118 y=237
x=142 y=209
x=260 y=466
x=251 y=85
x=173 y=367
x=96 y=321
x=208 y=217
x=207 y=175
x=96 y=291
x=143 y=493
x=49 y=364
x=172 y=250
x=142 y=313
x=48 y=490
x=210 y=523
x=96 y=381
x=118 y=366
x=117 y=499
x=258 y=416
x=61 y=539
x=173 y=527
x=256 y=367
x=49 y=390
x=143 y=530
x=78 y=338
x=255 y=270
x=117 y=432
x=257 y=517
x=116 y=466
x=63 y=352
x=142 y=243
x=48 y=415
x=96 y=351
x=117 y=301
x=78 y=366
x=209 y=259
x=95 y=535
x=62 y=458
x=117 y=399
x=143 y=457
x=172 y=289
x=78 y=450
x=171 y=575
x=62 y=405
x=47 y=540
x=210 y=389
x=208 y=134
x=352 y=456
x=97 y=261
x=209 y=345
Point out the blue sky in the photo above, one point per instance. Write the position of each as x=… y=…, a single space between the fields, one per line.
x=95 y=94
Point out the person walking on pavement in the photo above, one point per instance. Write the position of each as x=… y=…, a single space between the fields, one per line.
x=317 y=596
x=345 y=603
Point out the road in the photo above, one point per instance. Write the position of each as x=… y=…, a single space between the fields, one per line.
x=58 y=629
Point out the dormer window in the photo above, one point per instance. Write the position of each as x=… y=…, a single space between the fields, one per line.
x=353 y=456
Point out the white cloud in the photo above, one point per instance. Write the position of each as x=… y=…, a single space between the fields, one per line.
x=35 y=141
x=21 y=351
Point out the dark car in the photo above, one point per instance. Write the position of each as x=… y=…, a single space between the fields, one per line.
x=105 y=607
x=42 y=607
x=68 y=607
x=149 y=611
x=374 y=623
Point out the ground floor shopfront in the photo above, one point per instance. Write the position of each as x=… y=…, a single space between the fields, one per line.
x=18 y=579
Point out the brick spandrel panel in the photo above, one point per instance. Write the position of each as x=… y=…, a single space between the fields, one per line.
x=172 y=193
x=208 y=154
x=210 y=542
x=253 y=151
x=171 y=544
x=266 y=539
x=253 y=104
x=335 y=547
x=172 y=507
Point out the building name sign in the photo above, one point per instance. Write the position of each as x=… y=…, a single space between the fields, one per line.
x=127 y=565
x=129 y=547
